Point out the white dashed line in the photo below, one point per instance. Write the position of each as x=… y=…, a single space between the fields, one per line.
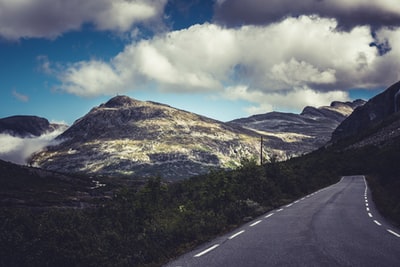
x=369 y=214
x=393 y=232
x=269 y=215
x=279 y=210
x=235 y=235
x=367 y=209
x=378 y=223
x=287 y=206
x=206 y=251
x=255 y=223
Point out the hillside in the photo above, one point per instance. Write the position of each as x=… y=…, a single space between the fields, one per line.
x=22 y=186
x=296 y=134
x=26 y=126
x=372 y=118
x=126 y=137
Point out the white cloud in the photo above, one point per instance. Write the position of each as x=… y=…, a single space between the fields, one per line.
x=51 y=18
x=274 y=61
x=19 y=96
x=292 y=100
x=18 y=149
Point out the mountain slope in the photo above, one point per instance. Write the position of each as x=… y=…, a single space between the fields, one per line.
x=26 y=126
x=371 y=116
x=295 y=134
x=129 y=137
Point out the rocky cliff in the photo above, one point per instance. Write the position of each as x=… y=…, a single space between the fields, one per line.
x=370 y=115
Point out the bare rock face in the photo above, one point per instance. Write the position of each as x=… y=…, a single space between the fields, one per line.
x=126 y=137
x=369 y=115
x=296 y=134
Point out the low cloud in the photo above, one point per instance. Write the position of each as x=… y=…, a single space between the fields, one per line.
x=51 y=18
x=274 y=60
x=18 y=149
x=348 y=14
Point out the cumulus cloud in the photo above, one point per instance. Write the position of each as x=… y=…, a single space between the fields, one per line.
x=304 y=52
x=50 y=18
x=18 y=149
x=349 y=14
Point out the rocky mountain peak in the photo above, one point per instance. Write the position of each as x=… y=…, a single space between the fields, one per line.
x=129 y=137
x=121 y=101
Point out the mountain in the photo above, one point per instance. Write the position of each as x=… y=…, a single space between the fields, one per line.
x=296 y=134
x=373 y=123
x=127 y=137
x=27 y=126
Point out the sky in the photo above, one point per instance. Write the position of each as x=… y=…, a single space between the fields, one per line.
x=224 y=59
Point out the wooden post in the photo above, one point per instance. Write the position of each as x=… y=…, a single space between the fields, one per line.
x=261 y=151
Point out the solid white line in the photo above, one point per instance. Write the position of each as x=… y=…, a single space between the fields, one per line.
x=257 y=222
x=206 y=251
x=269 y=215
x=235 y=235
x=369 y=214
x=378 y=223
x=393 y=232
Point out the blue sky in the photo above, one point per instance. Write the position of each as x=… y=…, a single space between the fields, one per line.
x=221 y=58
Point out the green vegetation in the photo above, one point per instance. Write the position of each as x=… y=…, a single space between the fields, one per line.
x=148 y=224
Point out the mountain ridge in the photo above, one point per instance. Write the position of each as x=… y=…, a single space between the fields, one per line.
x=300 y=133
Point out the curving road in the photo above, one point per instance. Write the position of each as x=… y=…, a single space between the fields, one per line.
x=336 y=226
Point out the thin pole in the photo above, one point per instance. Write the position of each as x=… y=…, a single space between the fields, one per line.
x=261 y=151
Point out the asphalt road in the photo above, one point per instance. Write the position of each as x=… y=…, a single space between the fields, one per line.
x=336 y=226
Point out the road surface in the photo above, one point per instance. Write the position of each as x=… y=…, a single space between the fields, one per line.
x=336 y=226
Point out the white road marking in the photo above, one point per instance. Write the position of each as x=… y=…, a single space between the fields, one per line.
x=255 y=223
x=366 y=204
x=235 y=235
x=367 y=209
x=393 y=232
x=287 y=206
x=206 y=251
x=269 y=215
x=279 y=210
x=297 y=201
x=369 y=214
x=378 y=223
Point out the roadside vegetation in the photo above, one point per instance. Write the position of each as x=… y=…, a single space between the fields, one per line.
x=151 y=223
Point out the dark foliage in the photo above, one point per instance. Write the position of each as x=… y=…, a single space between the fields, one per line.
x=148 y=225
